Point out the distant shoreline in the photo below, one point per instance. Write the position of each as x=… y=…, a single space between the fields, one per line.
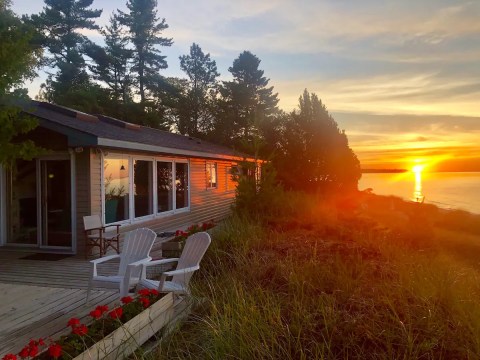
x=383 y=171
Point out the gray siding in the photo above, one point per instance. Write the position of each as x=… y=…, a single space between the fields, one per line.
x=205 y=204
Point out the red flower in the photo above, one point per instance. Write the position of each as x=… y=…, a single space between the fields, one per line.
x=96 y=314
x=102 y=308
x=41 y=342
x=116 y=313
x=80 y=330
x=24 y=352
x=177 y=233
x=154 y=292
x=10 y=357
x=54 y=351
x=144 y=292
x=73 y=322
x=145 y=302
x=126 y=299
x=33 y=351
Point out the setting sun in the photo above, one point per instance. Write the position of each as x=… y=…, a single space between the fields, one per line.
x=418 y=168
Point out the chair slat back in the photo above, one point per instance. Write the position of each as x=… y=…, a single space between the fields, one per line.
x=195 y=247
x=92 y=222
x=136 y=246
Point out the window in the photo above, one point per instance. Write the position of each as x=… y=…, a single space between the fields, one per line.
x=211 y=171
x=143 y=188
x=164 y=186
x=116 y=181
x=139 y=187
x=181 y=185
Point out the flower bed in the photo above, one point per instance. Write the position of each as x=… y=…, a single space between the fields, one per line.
x=174 y=246
x=113 y=333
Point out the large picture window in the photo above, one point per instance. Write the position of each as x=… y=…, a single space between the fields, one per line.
x=142 y=188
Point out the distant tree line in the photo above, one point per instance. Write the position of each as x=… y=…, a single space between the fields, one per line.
x=123 y=78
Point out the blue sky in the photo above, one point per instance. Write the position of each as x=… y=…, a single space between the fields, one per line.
x=369 y=61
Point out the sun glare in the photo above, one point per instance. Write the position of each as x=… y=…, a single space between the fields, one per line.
x=418 y=168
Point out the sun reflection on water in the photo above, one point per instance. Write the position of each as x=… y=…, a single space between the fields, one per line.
x=417 y=192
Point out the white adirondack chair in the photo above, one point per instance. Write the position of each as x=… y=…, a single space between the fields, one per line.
x=195 y=247
x=136 y=250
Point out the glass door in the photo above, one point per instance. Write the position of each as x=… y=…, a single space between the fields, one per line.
x=55 y=203
x=39 y=203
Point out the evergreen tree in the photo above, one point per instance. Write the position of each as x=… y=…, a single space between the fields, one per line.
x=315 y=154
x=111 y=65
x=18 y=59
x=246 y=101
x=60 y=23
x=145 y=30
x=195 y=108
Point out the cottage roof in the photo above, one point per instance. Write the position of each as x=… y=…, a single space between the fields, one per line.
x=97 y=130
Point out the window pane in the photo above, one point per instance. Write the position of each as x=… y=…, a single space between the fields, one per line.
x=143 y=187
x=181 y=183
x=116 y=189
x=211 y=175
x=164 y=186
x=214 y=175
x=22 y=203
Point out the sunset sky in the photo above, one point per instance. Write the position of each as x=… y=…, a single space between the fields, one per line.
x=401 y=77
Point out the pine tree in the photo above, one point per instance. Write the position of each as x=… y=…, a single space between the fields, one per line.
x=111 y=64
x=60 y=23
x=247 y=100
x=315 y=152
x=145 y=30
x=19 y=58
x=195 y=108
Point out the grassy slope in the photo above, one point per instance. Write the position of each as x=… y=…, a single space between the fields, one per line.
x=389 y=280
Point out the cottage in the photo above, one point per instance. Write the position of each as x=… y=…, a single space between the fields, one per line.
x=128 y=174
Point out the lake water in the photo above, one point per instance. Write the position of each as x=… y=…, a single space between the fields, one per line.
x=446 y=190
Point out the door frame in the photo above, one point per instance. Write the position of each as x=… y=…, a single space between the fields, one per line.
x=38 y=246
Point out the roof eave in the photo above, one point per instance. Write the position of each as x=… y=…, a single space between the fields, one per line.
x=120 y=144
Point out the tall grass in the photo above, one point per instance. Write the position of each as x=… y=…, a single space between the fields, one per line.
x=317 y=282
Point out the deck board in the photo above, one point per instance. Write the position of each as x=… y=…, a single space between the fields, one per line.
x=37 y=297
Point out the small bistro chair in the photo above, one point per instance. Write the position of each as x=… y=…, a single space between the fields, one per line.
x=189 y=261
x=136 y=250
x=96 y=235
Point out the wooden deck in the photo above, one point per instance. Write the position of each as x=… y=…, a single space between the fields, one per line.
x=38 y=297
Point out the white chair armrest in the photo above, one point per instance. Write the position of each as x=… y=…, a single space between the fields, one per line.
x=105 y=258
x=95 y=262
x=143 y=274
x=161 y=262
x=145 y=261
x=181 y=271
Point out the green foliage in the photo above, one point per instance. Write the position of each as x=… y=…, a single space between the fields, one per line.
x=60 y=24
x=18 y=59
x=313 y=153
x=195 y=112
x=144 y=29
x=246 y=101
x=257 y=192
x=111 y=64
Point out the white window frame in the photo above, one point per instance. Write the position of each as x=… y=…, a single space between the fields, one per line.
x=208 y=182
x=131 y=196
